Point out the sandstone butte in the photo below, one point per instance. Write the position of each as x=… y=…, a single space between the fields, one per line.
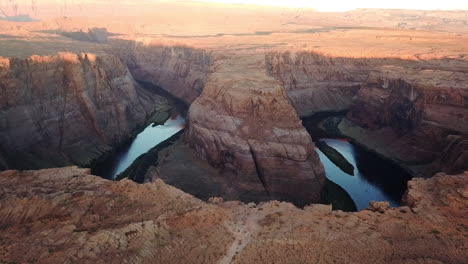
x=69 y=87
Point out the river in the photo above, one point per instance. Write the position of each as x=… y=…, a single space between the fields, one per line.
x=150 y=137
x=374 y=179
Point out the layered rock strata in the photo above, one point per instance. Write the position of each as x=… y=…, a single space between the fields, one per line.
x=316 y=83
x=413 y=112
x=68 y=109
x=68 y=216
x=244 y=123
x=180 y=70
x=416 y=117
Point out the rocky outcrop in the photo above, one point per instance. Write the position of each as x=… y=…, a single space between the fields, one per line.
x=68 y=216
x=416 y=117
x=316 y=83
x=72 y=216
x=180 y=70
x=68 y=109
x=244 y=123
x=395 y=106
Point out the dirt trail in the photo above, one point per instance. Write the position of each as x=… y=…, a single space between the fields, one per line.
x=243 y=227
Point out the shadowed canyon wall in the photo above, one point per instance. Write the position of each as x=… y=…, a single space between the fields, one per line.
x=419 y=119
x=372 y=89
x=176 y=68
x=68 y=109
x=180 y=70
x=413 y=112
x=315 y=83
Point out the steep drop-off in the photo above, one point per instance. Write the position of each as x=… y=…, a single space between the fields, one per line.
x=413 y=112
x=243 y=122
x=315 y=83
x=180 y=70
x=416 y=117
x=68 y=109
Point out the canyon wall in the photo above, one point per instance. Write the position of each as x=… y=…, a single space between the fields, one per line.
x=416 y=117
x=413 y=112
x=68 y=109
x=178 y=69
x=243 y=122
x=316 y=83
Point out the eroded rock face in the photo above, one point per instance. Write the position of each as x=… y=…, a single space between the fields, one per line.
x=316 y=83
x=414 y=112
x=68 y=109
x=417 y=117
x=243 y=122
x=180 y=70
x=68 y=216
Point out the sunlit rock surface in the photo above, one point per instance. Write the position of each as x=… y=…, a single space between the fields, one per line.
x=65 y=216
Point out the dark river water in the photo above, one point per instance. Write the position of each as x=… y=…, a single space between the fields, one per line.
x=374 y=179
x=143 y=142
x=150 y=137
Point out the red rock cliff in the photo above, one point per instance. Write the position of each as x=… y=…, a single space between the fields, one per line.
x=414 y=112
x=180 y=70
x=67 y=109
x=417 y=117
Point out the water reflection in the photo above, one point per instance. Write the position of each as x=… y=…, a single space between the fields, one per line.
x=374 y=179
x=146 y=140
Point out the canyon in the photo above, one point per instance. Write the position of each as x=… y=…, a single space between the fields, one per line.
x=45 y=97
x=75 y=90
x=395 y=105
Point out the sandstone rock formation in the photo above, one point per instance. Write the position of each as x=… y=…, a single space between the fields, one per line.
x=416 y=117
x=413 y=112
x=67 y=216
x=256 y=71
x=316 y=83
x=178 y=69
x=323 y=61
x=243 y=122
x=68 y=109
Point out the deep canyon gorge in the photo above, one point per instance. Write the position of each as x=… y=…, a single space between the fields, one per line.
x=241 y=143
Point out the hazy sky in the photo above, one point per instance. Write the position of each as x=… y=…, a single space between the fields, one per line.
x=343 y=5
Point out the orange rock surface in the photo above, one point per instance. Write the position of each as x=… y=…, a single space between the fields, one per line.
x=68 y=216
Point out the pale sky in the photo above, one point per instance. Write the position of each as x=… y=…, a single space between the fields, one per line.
x=344 y=5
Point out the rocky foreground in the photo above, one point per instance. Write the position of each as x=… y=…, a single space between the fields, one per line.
x=69 y=96
x=68 y=216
